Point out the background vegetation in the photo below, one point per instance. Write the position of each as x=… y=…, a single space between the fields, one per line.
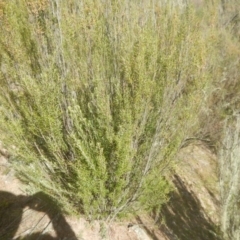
x=220 y=122
x=98 y=96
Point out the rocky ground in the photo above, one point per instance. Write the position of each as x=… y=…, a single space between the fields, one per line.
x=193 y=211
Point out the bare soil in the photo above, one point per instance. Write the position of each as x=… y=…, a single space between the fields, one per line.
x=193 y=211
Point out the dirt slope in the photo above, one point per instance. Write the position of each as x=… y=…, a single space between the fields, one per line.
x=193 y=211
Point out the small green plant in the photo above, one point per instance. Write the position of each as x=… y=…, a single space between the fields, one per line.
x=103 y=231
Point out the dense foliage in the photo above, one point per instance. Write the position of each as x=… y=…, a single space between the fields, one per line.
x=97 y=96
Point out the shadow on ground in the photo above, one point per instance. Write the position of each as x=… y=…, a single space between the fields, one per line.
x=183 y=216
x=11 y=211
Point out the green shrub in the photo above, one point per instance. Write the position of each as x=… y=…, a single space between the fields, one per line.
x=97 y=96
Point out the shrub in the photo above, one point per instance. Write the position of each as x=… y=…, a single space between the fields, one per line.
x=97 y=96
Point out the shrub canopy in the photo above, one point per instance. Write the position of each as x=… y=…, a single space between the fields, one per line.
x=97 y=96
